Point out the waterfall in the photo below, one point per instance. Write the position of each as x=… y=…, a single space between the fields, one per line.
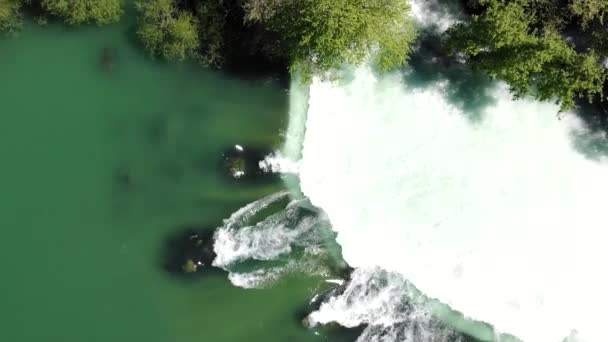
x=493 y=210
x=459 y=207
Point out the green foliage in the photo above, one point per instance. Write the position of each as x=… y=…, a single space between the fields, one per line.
x=262 y=10
x=503 y=42
x=10 y=17
x=76 y=12
x=324 y=34
x=167 y=31
x=589 y=10
x=212 y=19
x=548 y=13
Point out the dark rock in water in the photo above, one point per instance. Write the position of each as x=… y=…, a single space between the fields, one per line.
x=315 y=303
x=336 y=332
x=237 y=166
x=189 y=252
x=332 y=331
x=243 y=163
x=342 y=271
x=123 y=181
x=122 y=177
x=107 y=59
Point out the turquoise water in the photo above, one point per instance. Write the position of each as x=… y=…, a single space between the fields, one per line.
x=100 y=164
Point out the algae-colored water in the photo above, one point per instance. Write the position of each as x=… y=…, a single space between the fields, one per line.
x=100 y=164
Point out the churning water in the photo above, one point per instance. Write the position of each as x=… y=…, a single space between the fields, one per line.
x=448 y=187
x=496 y=213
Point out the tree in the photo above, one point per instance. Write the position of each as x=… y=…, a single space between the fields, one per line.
x=10 y=17
x=262 y=10
x=167 y=31
x=539 y=61
x=211 y=15
x=76 y=12
x=323 y=34
x=545 y=13
x=589 y=10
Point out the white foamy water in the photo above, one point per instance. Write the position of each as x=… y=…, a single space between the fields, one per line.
x=273 y=237
x=277 y=163
x=383 y=302
x=434 y=15
x=239 y=240
x=501 y=218
x=255 y=279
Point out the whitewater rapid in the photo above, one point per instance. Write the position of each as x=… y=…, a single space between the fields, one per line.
x=497 y=213
x=269 y=238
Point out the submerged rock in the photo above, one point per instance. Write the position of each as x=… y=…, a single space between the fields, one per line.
x=236 y=166
x=337 y=288
x=189 y=252
x=107 y=59
x=190 y=266
x=243 y=163
x=332 y=331
x=122 y=178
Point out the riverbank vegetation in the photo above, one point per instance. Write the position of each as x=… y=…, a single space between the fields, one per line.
x=166 y=31
x=72 y=12
x=323 y=34
x=311 y=36
x=550 y=49
x=10 y=15
x=76 y=12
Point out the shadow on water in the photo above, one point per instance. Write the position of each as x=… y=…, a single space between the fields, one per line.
x=466 y=88
x=470 y=90
x=593 y=142
x=250 y=53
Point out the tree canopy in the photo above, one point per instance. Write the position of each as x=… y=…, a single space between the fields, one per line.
x=589 y=10
x=166 y=31
x=324 y=34
x=10 y=17
x=76 y=12
x=177 y=30
x=73 y=12
x=549 y=49
x=509 y=42
x=212 y=18
x=315 y=35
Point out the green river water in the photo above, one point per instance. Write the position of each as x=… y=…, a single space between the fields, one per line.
x=81 y=251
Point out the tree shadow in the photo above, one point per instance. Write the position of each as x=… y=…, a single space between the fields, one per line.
x=249 y=52
x=466 y=88
x=593 y=141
